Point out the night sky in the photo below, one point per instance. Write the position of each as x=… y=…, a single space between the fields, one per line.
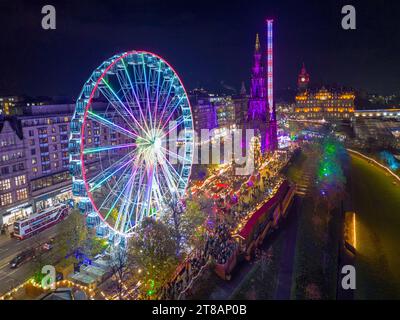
x=207 y=42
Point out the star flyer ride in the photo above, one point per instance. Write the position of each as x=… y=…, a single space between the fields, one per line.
x=131 y=143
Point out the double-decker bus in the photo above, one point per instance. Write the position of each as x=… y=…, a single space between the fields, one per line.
x=38 y=222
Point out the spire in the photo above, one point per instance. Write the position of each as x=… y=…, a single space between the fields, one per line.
x=243 y=89
x=303 y=69
x=257 y=49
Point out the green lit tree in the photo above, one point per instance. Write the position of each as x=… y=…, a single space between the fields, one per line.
x=192 y=224
x=72 y=233
x=154 y=253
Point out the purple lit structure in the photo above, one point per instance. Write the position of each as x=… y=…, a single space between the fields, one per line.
x=261 y=113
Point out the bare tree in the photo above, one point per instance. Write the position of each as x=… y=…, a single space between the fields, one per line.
x=121 y=269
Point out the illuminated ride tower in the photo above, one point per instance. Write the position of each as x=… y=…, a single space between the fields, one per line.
x=272 y=136
x=257 y=116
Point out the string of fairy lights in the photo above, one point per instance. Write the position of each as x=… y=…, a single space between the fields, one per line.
x=90 y=292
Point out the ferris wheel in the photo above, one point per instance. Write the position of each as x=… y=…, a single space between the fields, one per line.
x=131 y=143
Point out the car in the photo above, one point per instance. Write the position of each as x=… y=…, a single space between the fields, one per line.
x=47 y=246
x=23 y=257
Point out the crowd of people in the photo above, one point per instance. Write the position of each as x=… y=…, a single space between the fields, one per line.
x=190 y=270
x=220 y=245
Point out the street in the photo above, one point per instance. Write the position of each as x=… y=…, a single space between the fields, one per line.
x=9 y=248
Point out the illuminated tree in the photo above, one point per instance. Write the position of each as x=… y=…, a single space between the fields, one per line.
x=330 y=177
x=154 y=253
x=72 y=233
x=255 y=152
x=192 y=224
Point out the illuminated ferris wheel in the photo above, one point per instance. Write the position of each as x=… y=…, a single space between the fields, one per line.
x=131 y=144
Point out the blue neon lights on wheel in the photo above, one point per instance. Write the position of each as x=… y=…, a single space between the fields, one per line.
x=131 y=144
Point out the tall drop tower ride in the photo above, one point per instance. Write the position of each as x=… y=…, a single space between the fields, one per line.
x=272 y=135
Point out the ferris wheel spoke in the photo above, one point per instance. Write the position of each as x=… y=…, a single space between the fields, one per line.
x=112 y=126
x=140 y=93
x=171 y=113
x=146 y=85
x=149 y=192
x=127 y=215
x=116 y=201
x=138 y=198
x=134 y=201
x=124 y=207
x=165 y=92
x=159 y=198
x=113 y=165
x=121 y=113
x=118 y=103
x=117 y=184
x=178 y=122
x=108 y=176
x=107 y=148
x=166 y=102
x=134 y=93
x=168 y=177
x=157 y=93
x=178 y=176
x=175 y=155
x=125 y=89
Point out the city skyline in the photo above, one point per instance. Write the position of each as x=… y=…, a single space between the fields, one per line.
x=210 y=44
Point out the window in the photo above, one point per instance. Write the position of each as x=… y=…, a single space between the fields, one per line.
x=34 y=161
x=31 y=133
x=22 y=194
x=20 y=180
x=18 y=167
x=42 y=131
x=33 y=152
x=43 y=140
x=5 y=185
x=5 y=170
x=34 y=169
x=44 y=149
x=5 y=199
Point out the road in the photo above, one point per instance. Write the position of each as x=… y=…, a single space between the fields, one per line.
x=376 y=197
x=9 y=248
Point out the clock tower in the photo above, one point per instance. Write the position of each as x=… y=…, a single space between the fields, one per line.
x=303 y=79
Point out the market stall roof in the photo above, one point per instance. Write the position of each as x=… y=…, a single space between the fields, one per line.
x=248 y=227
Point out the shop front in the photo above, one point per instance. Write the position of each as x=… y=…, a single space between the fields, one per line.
x=15 y=213
x=53 y=198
